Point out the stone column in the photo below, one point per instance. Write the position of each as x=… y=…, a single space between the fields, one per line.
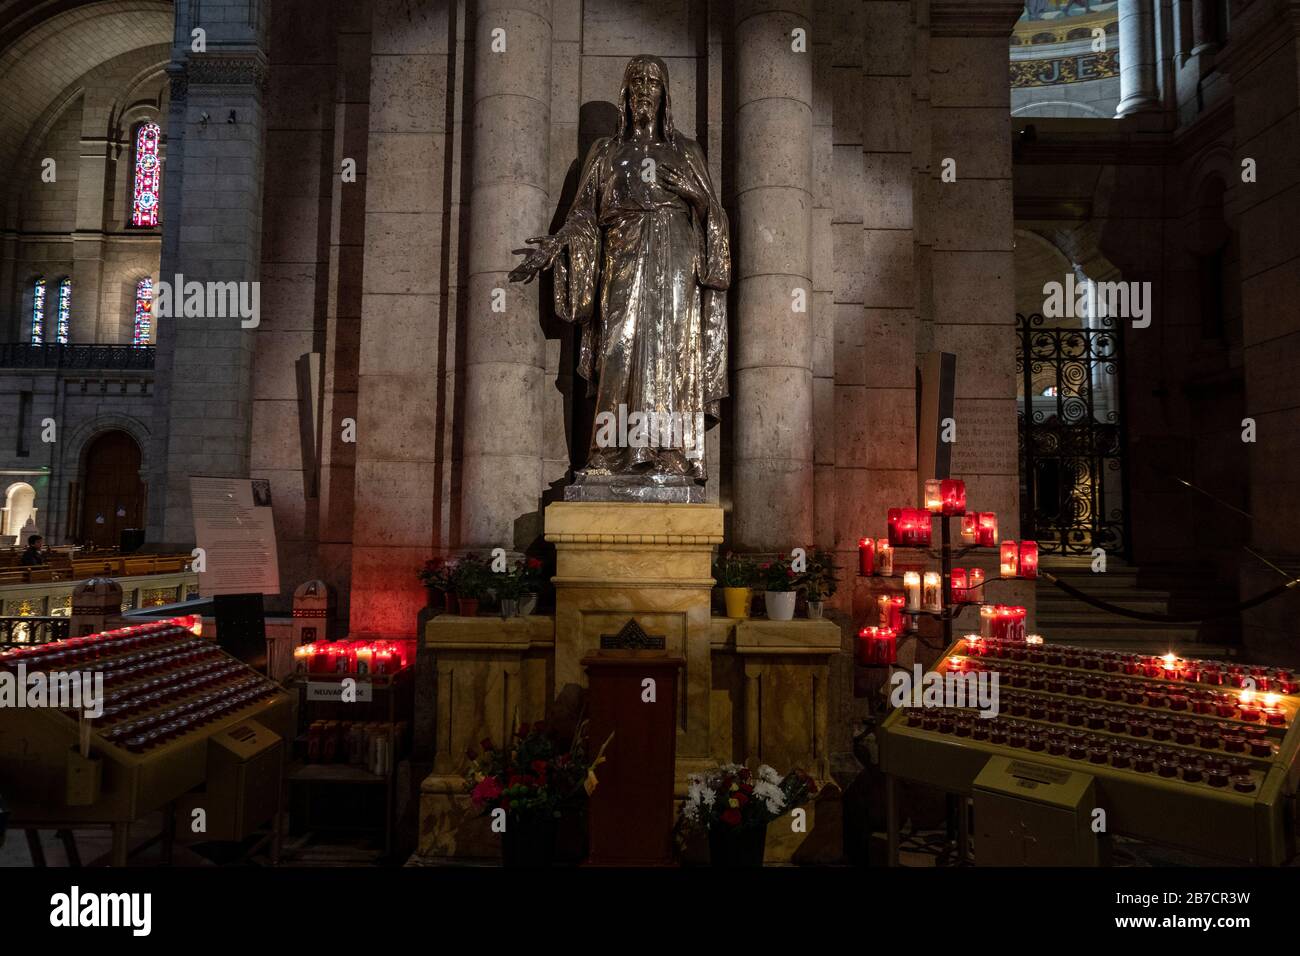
x=1263 y=62
x=772 y=356
x=88 y=249
x=1137 y=57
x=1205 y=28
x=505 y=352
x=212 y=232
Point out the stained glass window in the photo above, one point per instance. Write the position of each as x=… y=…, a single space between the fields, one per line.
x=38 y=312
x=144 y=209
x=65 y=311
x=143 y=310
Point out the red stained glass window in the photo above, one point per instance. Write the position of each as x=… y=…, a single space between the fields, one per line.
x=148 y=168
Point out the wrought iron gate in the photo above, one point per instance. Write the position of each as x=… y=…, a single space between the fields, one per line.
x=1072 y=485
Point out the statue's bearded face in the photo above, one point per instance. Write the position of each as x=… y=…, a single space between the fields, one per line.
x=646 y=92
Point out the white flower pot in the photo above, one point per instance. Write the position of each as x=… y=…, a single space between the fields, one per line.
x=780 y=604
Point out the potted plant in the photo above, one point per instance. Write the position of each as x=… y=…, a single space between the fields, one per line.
x=735 y=575
x=732 y=806
x=819 y=581
x=536 y=780
x=532 y=578
x=469 y=581
x=780 y=588
x=508 y=585
x=436 y=578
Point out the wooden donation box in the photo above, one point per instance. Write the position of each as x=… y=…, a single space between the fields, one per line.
x=633 y=694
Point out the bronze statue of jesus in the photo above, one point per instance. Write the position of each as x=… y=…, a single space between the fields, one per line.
x=647 y=236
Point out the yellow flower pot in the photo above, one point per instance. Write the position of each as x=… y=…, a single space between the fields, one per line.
x=738 y=602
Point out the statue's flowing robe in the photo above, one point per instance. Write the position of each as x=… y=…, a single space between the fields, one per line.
x=660 y=269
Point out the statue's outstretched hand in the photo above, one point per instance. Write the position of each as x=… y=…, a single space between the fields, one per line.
x=536 y=260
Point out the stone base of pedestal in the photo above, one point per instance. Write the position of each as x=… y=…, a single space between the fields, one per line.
x=450 y=827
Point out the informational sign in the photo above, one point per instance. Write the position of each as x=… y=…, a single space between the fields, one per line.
x=235 y=528
x=333 y=690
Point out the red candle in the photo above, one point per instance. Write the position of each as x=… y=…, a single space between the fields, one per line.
x=866 y=556
x=958 y=585
x=975 y=586
x=952 y=492
x=1029 y=559
x=895 y=524
x=885 y=645
x=970 y=527
x=988 y=530
x=1009 y=563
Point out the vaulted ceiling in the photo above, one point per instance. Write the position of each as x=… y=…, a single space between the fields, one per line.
x=47 y=45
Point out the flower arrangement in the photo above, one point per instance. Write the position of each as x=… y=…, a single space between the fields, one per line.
x=534 y=777
x=778 y=575
x=732 y=798
x=819 y=580
x=436 y=574
x=735 y=571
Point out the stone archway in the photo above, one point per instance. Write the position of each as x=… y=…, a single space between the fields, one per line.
x=19 y=505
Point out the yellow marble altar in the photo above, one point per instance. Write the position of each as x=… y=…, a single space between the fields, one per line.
x=751 y=691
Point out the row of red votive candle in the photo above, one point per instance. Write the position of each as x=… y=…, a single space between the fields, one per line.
x=909 y=528
x=945 y=496
x=1019 y=560
x=350 y=657
x=75 y=651
x=1185 y=729
x=1099 y=749
x=1169 y=667
x=1196 y=700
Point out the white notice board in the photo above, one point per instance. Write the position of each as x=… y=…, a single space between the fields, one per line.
x=234 y=525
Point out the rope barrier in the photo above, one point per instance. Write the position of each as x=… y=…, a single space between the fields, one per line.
x=1169 y=618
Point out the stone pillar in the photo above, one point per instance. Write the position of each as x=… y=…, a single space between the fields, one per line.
x=406 y=338
x=971 y=284
x=1205 y=27
x=212 y=232
x=88 y=250
x=1137 y=57
x=1263 y=62
x=772 y=356
x=823 y=276
x=505 y=351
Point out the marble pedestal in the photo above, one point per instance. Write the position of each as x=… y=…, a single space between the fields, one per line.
x=651 y=563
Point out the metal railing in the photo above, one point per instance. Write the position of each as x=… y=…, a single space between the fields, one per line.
x=50 y=356
x=24 y=631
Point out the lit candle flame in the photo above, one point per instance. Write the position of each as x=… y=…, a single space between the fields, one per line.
x=1247 y=696
x=1271 y=700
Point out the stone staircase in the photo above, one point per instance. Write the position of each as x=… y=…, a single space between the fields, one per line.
x=1062 y=617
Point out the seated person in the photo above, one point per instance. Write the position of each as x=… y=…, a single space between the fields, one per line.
x=33 y=556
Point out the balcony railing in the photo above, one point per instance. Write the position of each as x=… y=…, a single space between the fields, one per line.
x=89 y=357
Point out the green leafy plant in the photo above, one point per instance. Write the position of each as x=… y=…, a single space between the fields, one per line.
x=470 y=577
x=778 y=575
x=735 y=571
x=820 y=580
